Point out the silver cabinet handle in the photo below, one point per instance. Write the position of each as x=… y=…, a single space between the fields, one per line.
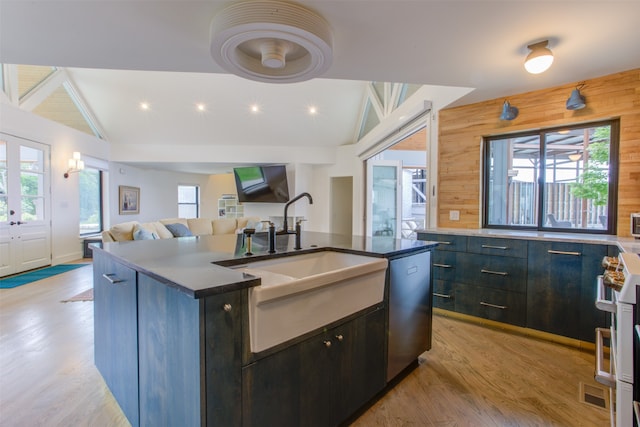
x=486 y=304
x=551 y=251
x=444 y=243
x=504 y=248
x=327 y=343
x=435 y=294
x=339 y=337
x=498 y=273
x=112 y=278
x=442 y=265
x=227 y=307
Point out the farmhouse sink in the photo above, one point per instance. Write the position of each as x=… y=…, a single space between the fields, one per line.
x=301 y=293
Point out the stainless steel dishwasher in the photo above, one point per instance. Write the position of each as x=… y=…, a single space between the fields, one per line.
x=410 y=303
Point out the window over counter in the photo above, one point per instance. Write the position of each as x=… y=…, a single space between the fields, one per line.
x=560 y=179
x=188 y=201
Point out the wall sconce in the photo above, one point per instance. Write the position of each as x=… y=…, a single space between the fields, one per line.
x=508 y=112
x=540 y=58
x=575 y=157
x=576 y=101
x=76 y=164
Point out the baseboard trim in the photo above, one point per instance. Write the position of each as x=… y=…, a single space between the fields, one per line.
x=532 y=333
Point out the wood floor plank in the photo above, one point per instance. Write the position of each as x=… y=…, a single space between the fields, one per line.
x=478 y=376
x=473 y=376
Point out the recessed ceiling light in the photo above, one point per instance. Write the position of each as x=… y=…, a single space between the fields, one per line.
x=255 y=108
x=313 y=110
x=144 y=106
x=201 y=107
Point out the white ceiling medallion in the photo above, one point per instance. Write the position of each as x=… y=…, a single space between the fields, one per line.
x=271 y=41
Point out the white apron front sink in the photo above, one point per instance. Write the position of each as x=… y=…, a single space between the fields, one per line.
x=301 y=293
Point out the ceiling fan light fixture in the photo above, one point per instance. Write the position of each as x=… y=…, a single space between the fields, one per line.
x=540 y=58
x=271 y=41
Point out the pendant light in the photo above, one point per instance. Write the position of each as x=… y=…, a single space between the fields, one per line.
x=508 y=112
x=540 y=58
x=576 y=101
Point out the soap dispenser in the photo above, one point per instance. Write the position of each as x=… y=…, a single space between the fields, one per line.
x=272 y=236
x=298 y=234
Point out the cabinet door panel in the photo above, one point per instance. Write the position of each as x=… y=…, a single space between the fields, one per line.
x=553 y=287
x=444 y=265
x=492 y=304
x=447 y=242
x=170 y=364
x=498 y=272
x=361 y=371
x=223 y=355
x=318 y=372
x=271 y=390
x=116 y=331
x=590 y=316
x=501 y=247
x=444 y=294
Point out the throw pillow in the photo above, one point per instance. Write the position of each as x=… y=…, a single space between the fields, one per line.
x=179 y=230
x=140 y=233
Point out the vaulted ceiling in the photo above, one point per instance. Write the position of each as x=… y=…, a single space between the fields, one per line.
x=121 y=53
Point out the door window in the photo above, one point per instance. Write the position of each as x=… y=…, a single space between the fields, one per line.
x=32 y=184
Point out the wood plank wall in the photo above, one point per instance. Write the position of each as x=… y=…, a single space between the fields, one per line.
x=461 y=130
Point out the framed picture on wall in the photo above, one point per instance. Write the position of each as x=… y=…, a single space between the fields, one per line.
x=129 y=200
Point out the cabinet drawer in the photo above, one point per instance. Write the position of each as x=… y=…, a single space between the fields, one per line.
x=444 y=294
x=497 y=272
x=493 y=246
x=444 y=265
x=492 y=304
x=447 y=242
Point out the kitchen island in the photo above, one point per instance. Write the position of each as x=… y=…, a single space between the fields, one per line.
x=172 y=333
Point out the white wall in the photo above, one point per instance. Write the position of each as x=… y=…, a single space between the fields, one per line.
x=346 y=164
x=158 y=193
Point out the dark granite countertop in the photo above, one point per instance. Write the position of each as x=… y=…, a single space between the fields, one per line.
x=625 y=244
x=198 y=265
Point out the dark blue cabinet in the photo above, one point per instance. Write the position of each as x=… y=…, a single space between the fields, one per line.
x=116 y=331
x=480 y=276
x=320 y=381
x=545 y=285
x=445 y=258
x=561 y=288
x=168 y=359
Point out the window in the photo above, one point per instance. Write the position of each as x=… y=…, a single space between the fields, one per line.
x=188 y=201
x=90 y=182
x=562 y=179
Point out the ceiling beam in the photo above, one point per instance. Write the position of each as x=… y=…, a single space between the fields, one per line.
x=42 y=90
x=10 y=83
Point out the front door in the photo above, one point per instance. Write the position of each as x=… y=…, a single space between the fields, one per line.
x=25 y=225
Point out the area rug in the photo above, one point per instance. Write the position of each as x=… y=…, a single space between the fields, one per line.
x=82 y=296
x=32 y=276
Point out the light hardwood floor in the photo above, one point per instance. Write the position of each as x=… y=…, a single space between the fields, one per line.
x=473 y=376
